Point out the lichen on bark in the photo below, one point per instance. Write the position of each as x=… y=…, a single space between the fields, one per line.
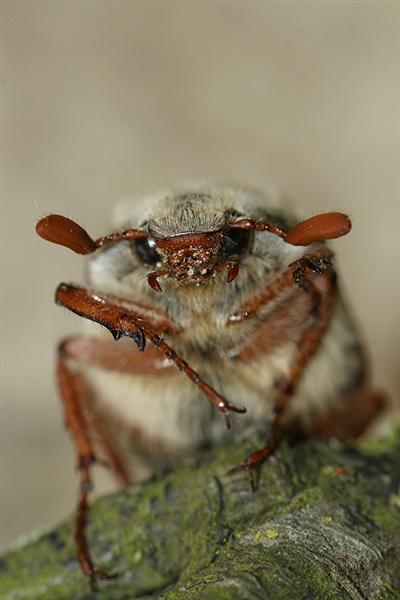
x=324 y=524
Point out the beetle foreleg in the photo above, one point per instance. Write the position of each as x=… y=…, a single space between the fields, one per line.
x=115 y=315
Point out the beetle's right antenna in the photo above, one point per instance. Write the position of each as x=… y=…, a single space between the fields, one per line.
x=61 y=230
x=326 y=226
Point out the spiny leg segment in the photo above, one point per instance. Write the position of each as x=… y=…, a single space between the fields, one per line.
x=110 y=312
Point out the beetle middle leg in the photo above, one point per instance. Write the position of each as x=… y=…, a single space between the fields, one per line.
x=322 y=298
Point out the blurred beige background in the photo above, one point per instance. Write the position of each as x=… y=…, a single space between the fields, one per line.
x=106 y=99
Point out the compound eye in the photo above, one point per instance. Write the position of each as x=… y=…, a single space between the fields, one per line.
x=236 y=242
x=146 y=250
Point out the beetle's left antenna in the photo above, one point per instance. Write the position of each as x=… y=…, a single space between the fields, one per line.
x=64 y=231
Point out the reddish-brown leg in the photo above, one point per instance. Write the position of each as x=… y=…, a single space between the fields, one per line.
x=115 y=314
x=322 y=299
x=76 y=422
x=282 y=284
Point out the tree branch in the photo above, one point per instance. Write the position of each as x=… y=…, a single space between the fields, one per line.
x=324 y=524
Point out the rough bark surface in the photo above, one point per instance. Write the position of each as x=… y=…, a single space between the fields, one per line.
x=324 y=524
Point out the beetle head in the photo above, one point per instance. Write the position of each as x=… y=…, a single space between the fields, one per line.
x=193 y=256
